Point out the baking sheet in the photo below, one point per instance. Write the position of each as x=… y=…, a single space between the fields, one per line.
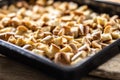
x=62 y=72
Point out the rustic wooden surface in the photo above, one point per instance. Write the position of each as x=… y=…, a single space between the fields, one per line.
x=12 y=70
x=110 y=69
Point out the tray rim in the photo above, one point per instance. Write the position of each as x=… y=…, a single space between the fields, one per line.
x=30 y=54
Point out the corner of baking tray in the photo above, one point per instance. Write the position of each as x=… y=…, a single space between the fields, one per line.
x=19 y=51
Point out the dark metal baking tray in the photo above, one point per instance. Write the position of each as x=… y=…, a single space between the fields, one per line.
x=73 y=72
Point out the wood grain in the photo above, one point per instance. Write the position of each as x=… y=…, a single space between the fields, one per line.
x=110 y=69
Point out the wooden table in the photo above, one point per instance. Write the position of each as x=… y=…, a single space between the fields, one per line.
x=12 y=70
